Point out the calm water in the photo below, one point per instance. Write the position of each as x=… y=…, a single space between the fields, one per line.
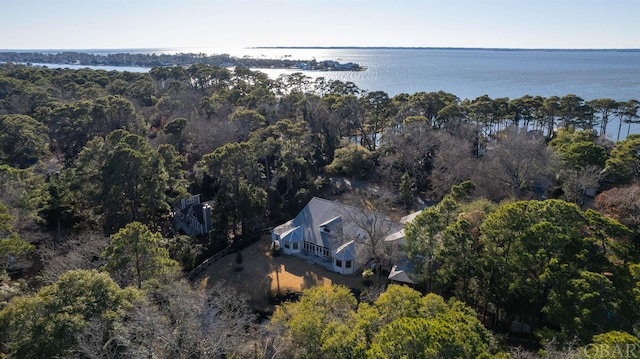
x=106 y=68
x=467 y=73
x=470 y=73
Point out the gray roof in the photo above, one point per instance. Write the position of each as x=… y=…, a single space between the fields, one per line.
x=403 y=270
x=318 y=213
x=327 y=223
x=396 y=236
x=293 y=235
x=330 y=222
x=346 y=252
x=410 y=217
x=400 y=273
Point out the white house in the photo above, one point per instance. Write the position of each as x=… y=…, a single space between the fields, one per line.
x=337 y=236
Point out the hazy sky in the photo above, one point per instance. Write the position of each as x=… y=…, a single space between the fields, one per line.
x=94 y=24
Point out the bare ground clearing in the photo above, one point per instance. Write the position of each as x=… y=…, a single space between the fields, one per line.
x=258 y=277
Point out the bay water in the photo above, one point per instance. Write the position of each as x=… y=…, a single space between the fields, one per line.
x=466 y=73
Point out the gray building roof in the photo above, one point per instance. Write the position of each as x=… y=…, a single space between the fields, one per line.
x=347 y=252
x=401 y=272
x=321 y=222
x=330 y=224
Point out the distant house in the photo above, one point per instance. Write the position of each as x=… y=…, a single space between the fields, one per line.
x=338 y=236
x=402 y=267
x=192 y=217
x=303 y=66
x=401 y=272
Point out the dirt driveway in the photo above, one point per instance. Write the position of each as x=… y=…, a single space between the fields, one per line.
x=259 y=278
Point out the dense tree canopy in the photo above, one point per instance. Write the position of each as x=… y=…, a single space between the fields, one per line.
x=46 y=324
x=87 y=154
x=23 y=140
x=623 y=165
x=402 y=323
x=546 y=261
x=11 y=246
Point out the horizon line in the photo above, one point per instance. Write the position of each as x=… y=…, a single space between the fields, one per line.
x=447 y=48
x=327 y=48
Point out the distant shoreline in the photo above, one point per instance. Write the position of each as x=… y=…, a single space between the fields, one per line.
x=431 y=48
x=147 y=59
x=173 y=49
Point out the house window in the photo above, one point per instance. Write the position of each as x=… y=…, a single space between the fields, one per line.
x=327 y=229
x=286 y=245
x=338 y=263
x=347 y=264
x=295 y=246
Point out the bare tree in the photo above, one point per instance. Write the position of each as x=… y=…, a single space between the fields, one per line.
x=408 y=149
x=275 y=343
x=75 y=251
x=185 y=322
x=453 y=162
x=99 y=340
x=205 y=136
x=623 y=204
x=149 y=333
x=367 y=225
x=177 y=321
x=550 y=350
x=513 y=165
x=372 y=293
x=576 y=182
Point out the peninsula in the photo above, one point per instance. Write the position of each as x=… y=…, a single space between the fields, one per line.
x=180 y=59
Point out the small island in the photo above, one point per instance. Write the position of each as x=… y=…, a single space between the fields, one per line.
x=179 y=59
x=327 y=65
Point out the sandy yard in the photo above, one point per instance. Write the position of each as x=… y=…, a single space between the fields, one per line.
x=259 y=277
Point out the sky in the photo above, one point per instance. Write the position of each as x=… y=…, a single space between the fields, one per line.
x=131 y=24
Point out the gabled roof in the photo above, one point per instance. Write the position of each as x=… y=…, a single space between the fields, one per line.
x=328 y=224
x=401 y=271
x=346 y=252
x=399 y=275
x=331 y=221
x=316 y=214
x=410 y=217
x=395 y=236
x=198 y=212
x=192 y=216
x=293 y=235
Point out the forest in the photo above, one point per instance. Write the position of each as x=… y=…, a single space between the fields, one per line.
x=536 y=216
x=180 y=59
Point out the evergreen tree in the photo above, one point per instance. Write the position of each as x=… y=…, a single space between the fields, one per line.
x=135 y=255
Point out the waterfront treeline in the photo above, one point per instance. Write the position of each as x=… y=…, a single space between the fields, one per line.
x=178 y=59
